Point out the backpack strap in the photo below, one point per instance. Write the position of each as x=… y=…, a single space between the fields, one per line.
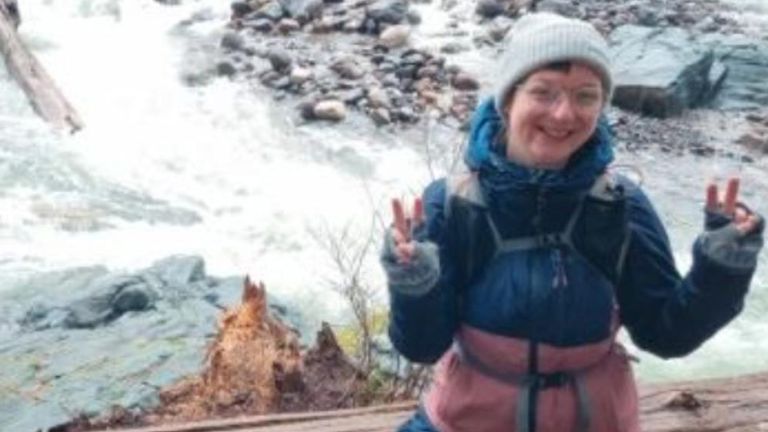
x=467 y=187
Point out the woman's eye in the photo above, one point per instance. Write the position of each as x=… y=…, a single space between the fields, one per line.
x=587 y=98
x=541 y=93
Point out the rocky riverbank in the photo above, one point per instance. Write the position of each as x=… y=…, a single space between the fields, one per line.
x=335 y=56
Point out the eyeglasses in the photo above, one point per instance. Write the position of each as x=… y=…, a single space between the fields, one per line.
x=585 y=99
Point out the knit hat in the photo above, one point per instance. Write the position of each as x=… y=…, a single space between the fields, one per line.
x=537 y=39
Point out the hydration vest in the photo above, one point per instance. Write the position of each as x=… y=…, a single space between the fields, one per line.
x=597 y=230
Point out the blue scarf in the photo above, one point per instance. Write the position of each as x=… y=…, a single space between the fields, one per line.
x=498 y=174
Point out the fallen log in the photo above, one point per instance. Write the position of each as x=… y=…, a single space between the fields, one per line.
x=717 y=405
x=44 y=96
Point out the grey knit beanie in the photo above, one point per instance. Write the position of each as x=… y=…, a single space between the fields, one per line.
x=537 y=39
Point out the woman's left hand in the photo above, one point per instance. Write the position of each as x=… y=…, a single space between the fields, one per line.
x=729 y=207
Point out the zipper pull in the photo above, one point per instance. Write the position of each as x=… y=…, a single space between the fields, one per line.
x=559 y=278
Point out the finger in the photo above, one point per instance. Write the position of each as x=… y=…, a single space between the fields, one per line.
x=740 y=214
x=712 y=197
x=405 y=252
x=418 y=212
x=398 y=236
x=731 y=195
x=746 y=226
x=399 y=218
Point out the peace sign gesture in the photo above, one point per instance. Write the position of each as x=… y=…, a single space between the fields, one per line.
x=744 y=220
x=403 y=226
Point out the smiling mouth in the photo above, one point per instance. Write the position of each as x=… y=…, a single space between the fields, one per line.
x=555 y=133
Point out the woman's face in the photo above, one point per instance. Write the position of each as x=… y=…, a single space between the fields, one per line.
x=552 y=114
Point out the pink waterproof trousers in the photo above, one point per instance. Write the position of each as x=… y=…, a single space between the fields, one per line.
x=465 y=399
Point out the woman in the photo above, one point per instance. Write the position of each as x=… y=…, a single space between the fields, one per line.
x=516 y=277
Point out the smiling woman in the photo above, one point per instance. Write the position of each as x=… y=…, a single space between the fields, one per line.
x=516 y=276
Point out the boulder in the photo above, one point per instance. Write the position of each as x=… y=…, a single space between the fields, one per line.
x=661 y=72
x=746 y=60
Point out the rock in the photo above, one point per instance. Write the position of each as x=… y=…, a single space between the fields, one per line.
x=262 y=25
x=463 y=81
x=281 y=83
x=271 y=10
x=300 y=75
x=132 y=299
x=489 y=8
x=413 y=58
x=395 y=36
x=353 y=25
x=307 y=110
x=381 y=116
x=560 y=7
x=233 y=41
x=225 y=68
x=110 y=298
x=406 y=72
x=322 y=25
x=303 y=10
x=387 y=11
x=288 y=25
x=453 y=48
x=333 y=110
x=499 y=28
x=430 y=71
x=406 y=114
x=240 y=8
x=352 y=96
x=378 y=98
x=746 y=60
x=660 y=72
x=348 y=68
x=279 y=59
x=179 y=269
x=413 y=17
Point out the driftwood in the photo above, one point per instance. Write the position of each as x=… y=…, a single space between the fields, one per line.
x=719 y=405
x=45 y=97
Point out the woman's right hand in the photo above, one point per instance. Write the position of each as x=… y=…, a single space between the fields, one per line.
x=403 y=227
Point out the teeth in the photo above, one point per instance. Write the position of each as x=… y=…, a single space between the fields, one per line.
x=556 y=133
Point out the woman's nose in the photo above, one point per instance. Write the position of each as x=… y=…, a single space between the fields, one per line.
x=563 y=108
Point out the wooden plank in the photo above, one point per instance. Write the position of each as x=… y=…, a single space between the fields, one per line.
x=243 y=423
x=718 y=405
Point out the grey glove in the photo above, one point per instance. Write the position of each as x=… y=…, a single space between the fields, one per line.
x=418 y=275
x=729 y=247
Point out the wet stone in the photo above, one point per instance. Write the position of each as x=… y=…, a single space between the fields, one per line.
x=288 y=25
x=279 y=59
x=263 y=25
x=240 y=8
x=381 y=116
x=233 y=41
x=225 y=68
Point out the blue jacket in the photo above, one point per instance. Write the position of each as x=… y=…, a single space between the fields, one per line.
x=550 y=295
